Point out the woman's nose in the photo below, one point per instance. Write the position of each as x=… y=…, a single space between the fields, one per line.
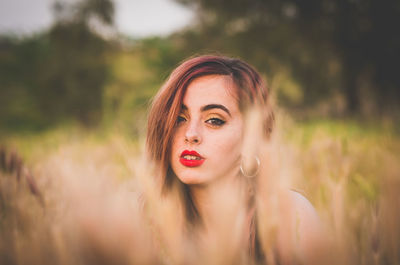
x=193 y=134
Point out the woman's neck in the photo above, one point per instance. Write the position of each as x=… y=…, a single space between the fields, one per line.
x=224 y=215
x=220 y=202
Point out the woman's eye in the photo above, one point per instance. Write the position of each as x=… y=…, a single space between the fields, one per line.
x=215 y=122
x=180 y=119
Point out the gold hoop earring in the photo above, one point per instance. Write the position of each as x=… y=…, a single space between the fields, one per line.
x=251 y=175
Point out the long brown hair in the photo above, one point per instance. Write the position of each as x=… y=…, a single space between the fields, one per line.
x=166 y=106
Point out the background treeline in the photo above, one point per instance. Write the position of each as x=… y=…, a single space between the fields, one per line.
x=321 y=58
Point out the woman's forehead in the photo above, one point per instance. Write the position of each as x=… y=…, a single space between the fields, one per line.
x=211 y=89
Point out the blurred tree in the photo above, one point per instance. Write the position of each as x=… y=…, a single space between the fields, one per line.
x=83 y=11
x=323 y=44
x=162 y=54
x=19 y=68
x=76 y=72
x=60 y=74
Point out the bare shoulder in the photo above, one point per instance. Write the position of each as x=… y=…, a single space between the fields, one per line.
x=301 y=234
x=305 y=211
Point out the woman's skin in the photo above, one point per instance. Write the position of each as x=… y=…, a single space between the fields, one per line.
x=211 y=124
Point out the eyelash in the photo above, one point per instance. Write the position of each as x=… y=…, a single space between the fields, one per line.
x=180 y=119
x=215 y=122
x=212 y=121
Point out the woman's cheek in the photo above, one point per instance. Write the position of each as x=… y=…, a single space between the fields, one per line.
x=230 y=144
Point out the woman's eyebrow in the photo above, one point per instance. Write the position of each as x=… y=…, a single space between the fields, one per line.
x=210 y=106
x=215 y=106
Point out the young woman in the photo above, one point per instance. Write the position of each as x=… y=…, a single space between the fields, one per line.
x=196 y=139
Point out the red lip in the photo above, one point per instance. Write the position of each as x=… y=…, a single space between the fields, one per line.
x=191 y=162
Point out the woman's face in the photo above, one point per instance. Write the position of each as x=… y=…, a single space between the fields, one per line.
x=207 y=143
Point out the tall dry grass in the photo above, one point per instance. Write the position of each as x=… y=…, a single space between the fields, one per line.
x=95 y=201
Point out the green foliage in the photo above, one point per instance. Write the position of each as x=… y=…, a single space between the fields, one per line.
x=129 y=89
x=162 y=55
x=57 y=75
x=327 y=46
x=20 y=64
x=317 y=57
x=76 y=73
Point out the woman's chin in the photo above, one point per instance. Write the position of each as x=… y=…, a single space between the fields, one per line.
x=192 y=179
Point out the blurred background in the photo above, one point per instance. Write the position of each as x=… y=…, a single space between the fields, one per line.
x=98 y=62
x=76 y=78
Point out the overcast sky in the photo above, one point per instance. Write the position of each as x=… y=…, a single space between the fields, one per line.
x=136 y=18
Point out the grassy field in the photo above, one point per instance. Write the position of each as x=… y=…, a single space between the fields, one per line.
x=83 y=204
